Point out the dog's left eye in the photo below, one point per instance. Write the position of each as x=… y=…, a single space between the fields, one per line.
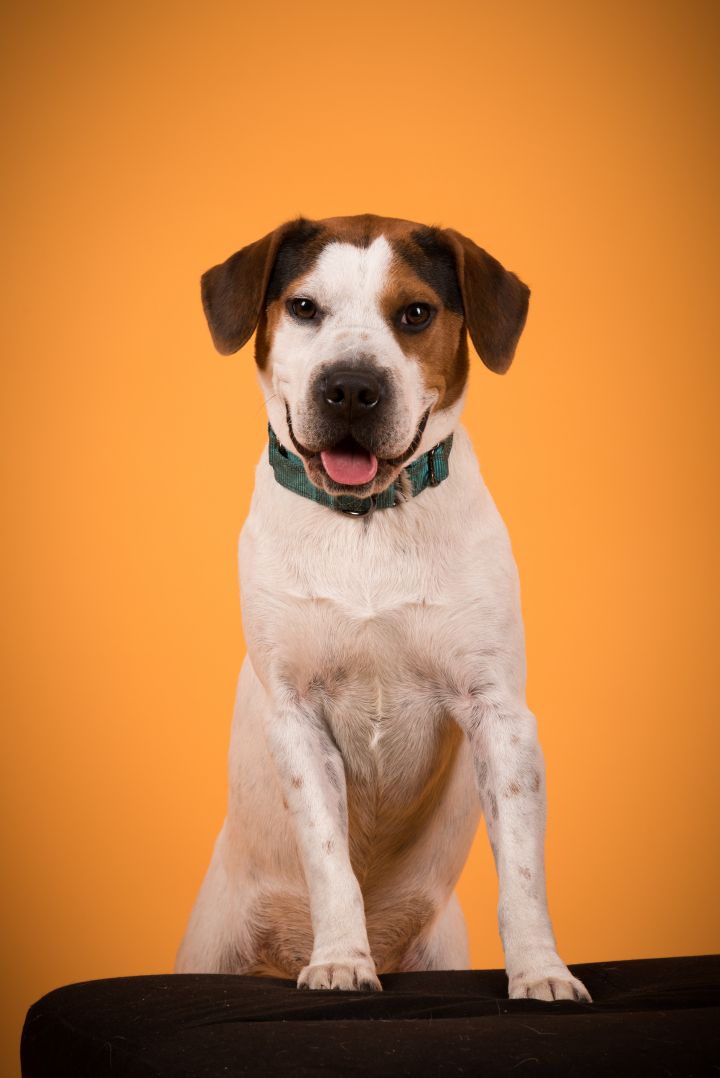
x=416 y=314
x=303 y=308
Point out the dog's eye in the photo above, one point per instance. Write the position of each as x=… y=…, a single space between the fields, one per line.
x=303 y=308
x=416 y=314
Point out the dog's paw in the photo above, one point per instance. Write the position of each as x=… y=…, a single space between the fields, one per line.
x=554 y=984
x=351 y=976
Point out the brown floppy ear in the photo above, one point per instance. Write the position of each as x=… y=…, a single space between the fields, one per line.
x=234 y=293
x=495 y=302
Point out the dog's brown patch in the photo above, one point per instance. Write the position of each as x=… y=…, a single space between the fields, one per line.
x=296 y=254
x=248 y=291
x=441 y=348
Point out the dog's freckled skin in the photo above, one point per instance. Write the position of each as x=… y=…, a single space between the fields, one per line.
x=381 y=702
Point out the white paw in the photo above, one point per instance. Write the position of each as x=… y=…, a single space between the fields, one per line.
x=352 y=976
x=557 y=983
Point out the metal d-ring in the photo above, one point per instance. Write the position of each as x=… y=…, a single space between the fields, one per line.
x=361 y=512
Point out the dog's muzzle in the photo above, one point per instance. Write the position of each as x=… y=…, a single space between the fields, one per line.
x=350 y=397
x=351 y=428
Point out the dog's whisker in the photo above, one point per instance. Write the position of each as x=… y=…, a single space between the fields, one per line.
x=266 y=401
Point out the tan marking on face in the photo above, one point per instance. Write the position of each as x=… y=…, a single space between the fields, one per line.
x=273 y=311
x=359 y=230
x=441 y=348
x=267 y=325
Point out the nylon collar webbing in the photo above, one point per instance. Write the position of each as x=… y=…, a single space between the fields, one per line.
x=427 y=471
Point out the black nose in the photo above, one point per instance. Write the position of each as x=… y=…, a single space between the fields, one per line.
x=350 y=393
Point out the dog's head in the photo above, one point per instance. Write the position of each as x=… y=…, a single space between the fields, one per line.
x=361 y=346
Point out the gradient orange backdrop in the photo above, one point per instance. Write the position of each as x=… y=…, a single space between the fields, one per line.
x=577 y=143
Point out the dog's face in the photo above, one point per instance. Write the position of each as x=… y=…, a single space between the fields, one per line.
x=361 y=346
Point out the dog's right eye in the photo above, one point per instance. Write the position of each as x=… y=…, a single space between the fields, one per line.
x=303 y=308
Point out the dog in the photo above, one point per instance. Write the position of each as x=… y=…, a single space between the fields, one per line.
x=381 y=705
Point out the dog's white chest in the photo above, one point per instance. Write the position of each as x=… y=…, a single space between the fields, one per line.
x=377 y=623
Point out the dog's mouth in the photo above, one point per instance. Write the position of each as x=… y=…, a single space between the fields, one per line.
x=349 y=463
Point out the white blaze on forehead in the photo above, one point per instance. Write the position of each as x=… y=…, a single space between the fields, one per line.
x=347 y=283
x=349 y=280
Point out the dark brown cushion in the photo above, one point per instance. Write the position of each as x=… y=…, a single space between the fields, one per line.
x=649 y=1017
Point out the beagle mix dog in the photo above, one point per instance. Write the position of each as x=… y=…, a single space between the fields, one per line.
x=381 y=705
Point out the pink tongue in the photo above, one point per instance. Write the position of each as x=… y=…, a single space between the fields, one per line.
x=349 y=466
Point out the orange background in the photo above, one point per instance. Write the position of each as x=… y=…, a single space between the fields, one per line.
x=577 y=143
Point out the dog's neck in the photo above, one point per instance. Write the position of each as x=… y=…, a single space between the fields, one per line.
x=428 y=470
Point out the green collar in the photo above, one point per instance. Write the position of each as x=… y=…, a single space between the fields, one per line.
x=427 y=471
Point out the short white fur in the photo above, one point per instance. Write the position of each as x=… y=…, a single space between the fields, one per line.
x=385 y=668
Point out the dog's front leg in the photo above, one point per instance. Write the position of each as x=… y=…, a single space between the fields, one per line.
x=511 y=780
x=313 y=779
